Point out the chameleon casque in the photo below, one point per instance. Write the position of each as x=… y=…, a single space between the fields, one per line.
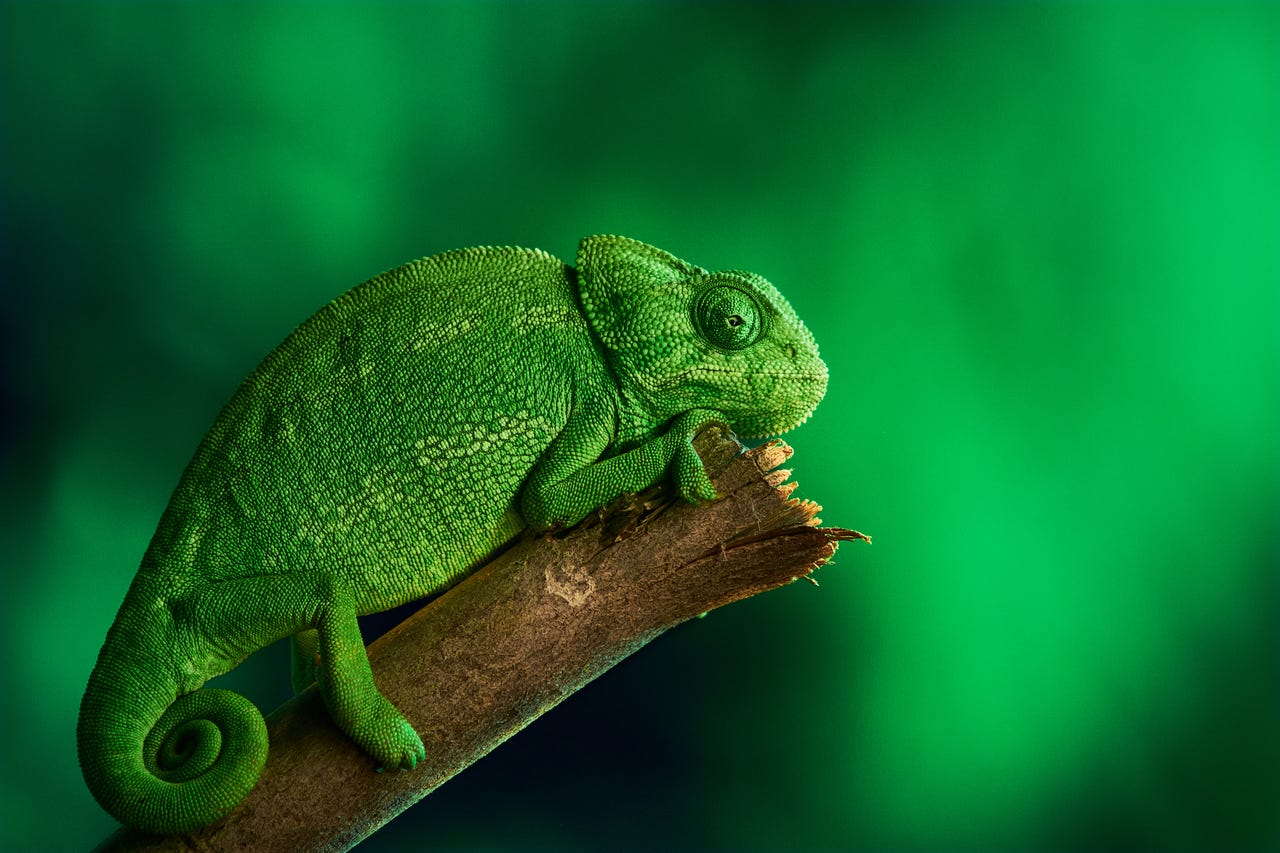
x=390 y=444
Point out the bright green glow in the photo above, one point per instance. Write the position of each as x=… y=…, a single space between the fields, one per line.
x=1036 y=242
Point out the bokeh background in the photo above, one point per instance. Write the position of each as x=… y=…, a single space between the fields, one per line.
x=1037 y=244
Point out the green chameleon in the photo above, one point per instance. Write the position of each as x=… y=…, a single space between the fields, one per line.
x=396 y=439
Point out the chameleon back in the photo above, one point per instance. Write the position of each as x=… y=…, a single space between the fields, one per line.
x=377 y=440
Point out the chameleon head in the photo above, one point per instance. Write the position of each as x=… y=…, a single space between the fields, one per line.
x=679 y=337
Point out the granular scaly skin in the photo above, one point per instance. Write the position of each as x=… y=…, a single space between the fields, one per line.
x=383 y=451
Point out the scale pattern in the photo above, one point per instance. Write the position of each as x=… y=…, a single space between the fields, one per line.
x=384 y=450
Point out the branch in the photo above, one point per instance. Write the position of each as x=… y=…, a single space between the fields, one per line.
x=517 y=637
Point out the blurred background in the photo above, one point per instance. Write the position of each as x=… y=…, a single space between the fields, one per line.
x=1037 y=244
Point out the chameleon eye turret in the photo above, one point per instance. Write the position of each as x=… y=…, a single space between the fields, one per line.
x=728 y=316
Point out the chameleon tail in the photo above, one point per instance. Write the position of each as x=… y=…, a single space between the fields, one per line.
x=160 y=762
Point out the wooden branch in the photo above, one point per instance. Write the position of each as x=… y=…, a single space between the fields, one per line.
x=517 y=637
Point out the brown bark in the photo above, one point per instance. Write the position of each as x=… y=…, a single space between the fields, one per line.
x=517 y=637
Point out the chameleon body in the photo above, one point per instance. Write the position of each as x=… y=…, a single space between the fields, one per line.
x=384 y=450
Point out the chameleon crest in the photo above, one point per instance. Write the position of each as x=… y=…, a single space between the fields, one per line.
x=383 y=451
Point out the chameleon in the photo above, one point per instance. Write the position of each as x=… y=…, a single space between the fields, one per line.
x=389 y=445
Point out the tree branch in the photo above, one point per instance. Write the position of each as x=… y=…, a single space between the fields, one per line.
x=517 y=637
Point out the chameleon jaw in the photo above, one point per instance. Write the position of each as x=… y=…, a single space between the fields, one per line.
x=767 y=423
x=780 y=431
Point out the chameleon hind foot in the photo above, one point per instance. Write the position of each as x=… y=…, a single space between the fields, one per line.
x=387 y=736
x=354 y=702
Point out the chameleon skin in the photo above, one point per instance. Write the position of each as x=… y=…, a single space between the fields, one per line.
x=383 y=451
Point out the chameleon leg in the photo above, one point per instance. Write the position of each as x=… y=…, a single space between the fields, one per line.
x=353 y=700
x=305 y=646
x=320 y=614
x=566 y=484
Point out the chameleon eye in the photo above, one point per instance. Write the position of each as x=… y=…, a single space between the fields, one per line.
x=728 y=317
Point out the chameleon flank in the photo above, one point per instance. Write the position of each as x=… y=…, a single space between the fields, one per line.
x=383 y=451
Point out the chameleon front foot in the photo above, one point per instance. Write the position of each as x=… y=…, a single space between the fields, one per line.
x=687 y=470
x=691 y=477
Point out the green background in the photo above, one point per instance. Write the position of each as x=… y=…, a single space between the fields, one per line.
x=1036 y=243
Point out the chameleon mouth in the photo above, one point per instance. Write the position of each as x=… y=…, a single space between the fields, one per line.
x=683 y=376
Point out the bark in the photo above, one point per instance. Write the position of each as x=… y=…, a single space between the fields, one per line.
x=518 y=636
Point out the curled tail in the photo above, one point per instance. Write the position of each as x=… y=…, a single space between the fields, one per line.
x=160 y=762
